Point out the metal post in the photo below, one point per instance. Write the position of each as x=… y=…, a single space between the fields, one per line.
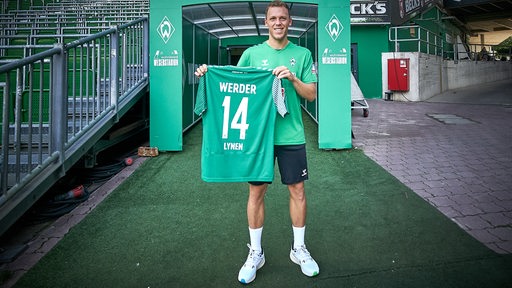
x=397 y=44
x=114 y=72
x=58 y=104
x=5 y=134
x=124 y=61
x=145 y=48
x=17 y=121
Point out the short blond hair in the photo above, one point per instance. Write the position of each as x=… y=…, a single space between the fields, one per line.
x=277 y=3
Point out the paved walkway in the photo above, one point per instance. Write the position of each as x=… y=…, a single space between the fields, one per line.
x=454 y=150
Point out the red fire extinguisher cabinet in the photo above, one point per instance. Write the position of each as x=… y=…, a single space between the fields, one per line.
x=398 y=74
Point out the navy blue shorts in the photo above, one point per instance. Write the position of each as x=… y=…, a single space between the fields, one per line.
x=292 y=163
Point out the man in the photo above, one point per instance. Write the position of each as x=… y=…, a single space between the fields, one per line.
x=294 y=65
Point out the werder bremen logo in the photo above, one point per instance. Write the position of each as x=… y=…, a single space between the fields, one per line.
x=165 y=29
x=334 y=27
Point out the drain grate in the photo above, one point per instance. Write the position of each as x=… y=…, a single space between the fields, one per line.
x=451 y=119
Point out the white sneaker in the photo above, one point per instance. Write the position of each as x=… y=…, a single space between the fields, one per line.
x=301 y=256
x=254 y=261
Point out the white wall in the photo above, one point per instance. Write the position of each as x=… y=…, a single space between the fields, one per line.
x=431 y=75
x=468 y=73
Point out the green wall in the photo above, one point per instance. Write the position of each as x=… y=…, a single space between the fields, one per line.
x=371 y=41
x=432 y=20
x=202 y=48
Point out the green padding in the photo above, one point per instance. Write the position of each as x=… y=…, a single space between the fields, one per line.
x=164 y=227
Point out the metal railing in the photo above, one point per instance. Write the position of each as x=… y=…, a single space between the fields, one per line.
x=56 y=102
x=415 y=38
x=487 y=52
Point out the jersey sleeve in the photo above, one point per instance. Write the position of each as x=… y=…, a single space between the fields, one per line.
x=308 y=75
x=200 y=106
x=244 y=60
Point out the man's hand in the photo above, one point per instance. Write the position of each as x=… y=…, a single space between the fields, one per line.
x=201 y=70
x=283 y=72
x=306 y=91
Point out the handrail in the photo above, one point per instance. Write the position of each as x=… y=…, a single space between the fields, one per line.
x=58 y=101
x=425 y=40
x=30 y=59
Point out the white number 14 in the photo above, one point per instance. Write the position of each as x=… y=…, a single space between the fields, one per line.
x=239 y=119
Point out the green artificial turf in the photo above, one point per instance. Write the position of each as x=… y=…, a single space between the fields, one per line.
x=165 y=227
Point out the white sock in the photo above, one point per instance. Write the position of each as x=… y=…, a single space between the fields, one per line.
x=298 y=236
x=255 y=235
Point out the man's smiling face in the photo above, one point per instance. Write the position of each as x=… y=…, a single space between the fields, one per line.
x=278 y=20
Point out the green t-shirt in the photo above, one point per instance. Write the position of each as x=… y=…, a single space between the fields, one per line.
x=290 y=129
x=238 y=110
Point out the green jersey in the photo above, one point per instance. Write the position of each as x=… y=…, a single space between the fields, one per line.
x=290 y=129
x=237 y=106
